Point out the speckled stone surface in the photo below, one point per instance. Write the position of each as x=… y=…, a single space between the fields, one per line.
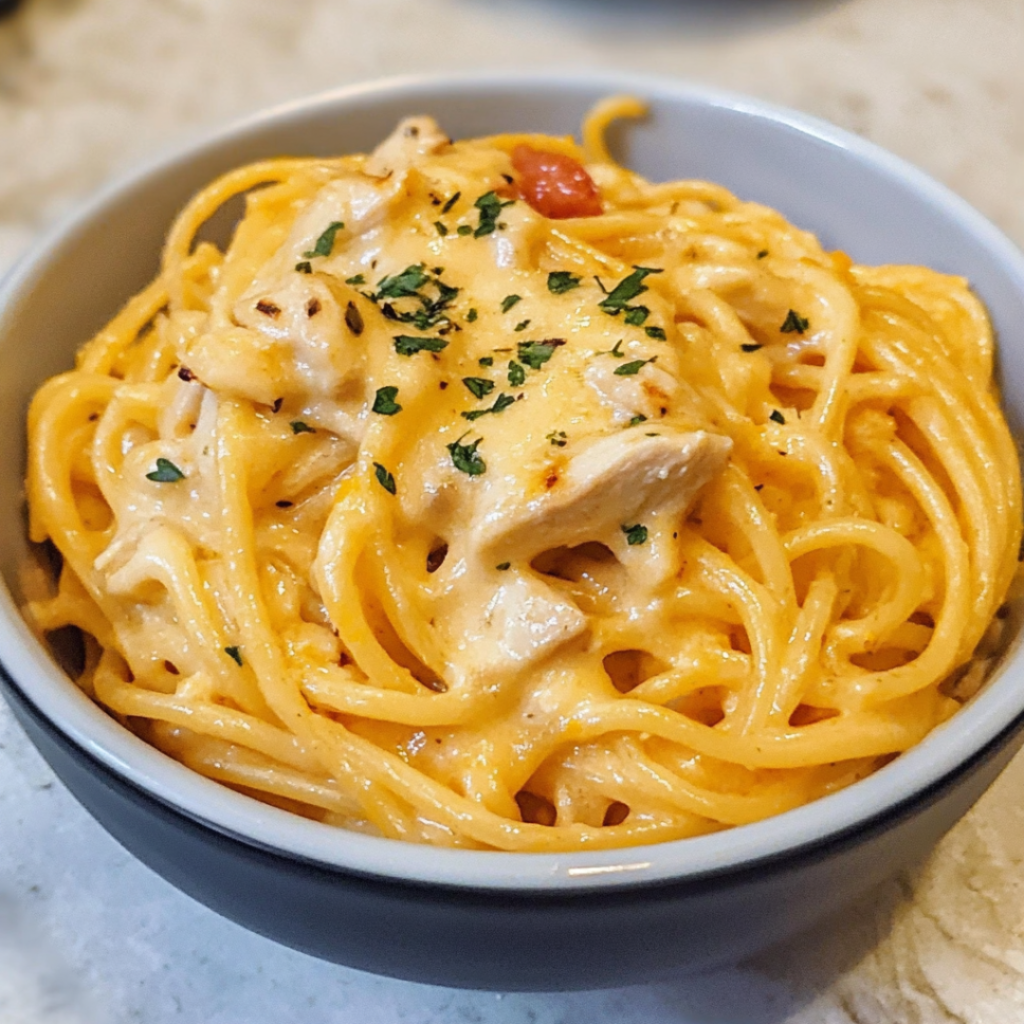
x=90 y=87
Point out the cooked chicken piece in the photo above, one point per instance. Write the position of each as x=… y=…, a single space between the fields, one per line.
x=615 y=481
x=520 y=621
x=643 y=394
x=309 y=316
x=414 y=137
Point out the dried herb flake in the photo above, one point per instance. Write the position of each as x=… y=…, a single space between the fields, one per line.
x=384 y=478
x=408 y=344
x=632 y=368
x=536 y=353
x=490 y=206
x=503 y=402
x=794 y=323
x=403 y=285
x=466 y=458
x=560 y=281
x=628 y=288
x=325 y=243
x=480 y=386
x=166 y=472
x=636 y=534
x=384 y=403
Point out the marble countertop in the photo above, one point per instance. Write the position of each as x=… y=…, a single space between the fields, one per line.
x=91 y=87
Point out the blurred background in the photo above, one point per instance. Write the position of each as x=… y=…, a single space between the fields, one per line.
x=90 y=88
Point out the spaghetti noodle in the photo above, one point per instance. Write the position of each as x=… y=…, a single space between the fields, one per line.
x=487 y=494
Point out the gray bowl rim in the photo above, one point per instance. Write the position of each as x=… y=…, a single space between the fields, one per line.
x=939 y=755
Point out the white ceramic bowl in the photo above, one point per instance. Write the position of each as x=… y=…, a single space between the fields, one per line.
x=496 y=919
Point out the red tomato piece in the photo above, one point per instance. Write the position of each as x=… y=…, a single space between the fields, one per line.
x=555 y=185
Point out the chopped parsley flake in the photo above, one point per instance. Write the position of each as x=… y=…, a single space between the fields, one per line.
x=357 y=279
x=407 y=344
x=166 y=472
x=522 y=325
x=636 y=534
x=305 y=267
x=794 y=323
x=298 y=427
x=637 y=419
x=777 y=416
x=441 y=229
x=480 y=386
x=503 y=402
x=509 y=301
x=617 y=351
x=628 y=288
x=502 y=566
x=636 y=315
x=325 y=243
x=384 y=403
x=559 y=438
x=486 y=360
x=451 y=202
x=466 y=458
x=490 y=206
x=234 y=654
x=384 y=478
x=403 y=285
x=632 y=368
x=751 y=348
x=516 y=374
x=560 y=281
x=407 y=285
x=536 y=353
x=471 y=316
x=761 y=255
x=464 y=229
x=658 y=333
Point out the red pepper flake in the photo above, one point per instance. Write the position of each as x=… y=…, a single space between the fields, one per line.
x=354 y=319
x=436 y=557
x=313 y=307
x=268 y=309
x=186 y=374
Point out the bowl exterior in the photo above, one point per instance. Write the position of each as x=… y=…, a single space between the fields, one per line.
x=509 y=940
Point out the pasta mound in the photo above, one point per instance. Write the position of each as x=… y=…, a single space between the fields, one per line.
x=486 y=494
